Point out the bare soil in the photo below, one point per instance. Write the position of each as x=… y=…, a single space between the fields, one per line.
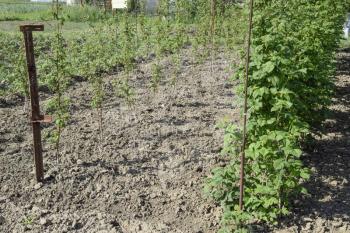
x=147 y=173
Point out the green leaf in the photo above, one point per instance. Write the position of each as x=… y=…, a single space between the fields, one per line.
x=304 y=191
x=268 y=67
x=305 y=174
x=278 y=164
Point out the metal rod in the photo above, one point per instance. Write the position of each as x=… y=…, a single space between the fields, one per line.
x=212 y=33
x=246 y=83
x=34 y=98
x=213 y=16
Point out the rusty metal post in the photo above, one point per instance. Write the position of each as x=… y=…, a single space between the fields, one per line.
x=246 y=84
x=36 y=118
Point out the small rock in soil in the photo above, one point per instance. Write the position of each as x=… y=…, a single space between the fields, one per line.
x=334 y=183
x=80 y=162
x=307 y=219
x=43 y=221
x=38 y=186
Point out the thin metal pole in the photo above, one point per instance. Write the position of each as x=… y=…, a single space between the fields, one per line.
x=34 y=98
x=246 y=83
x=213 y=16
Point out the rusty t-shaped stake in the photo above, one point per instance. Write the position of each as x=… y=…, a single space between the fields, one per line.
x=37 y=118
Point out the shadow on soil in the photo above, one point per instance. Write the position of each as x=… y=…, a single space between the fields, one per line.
x=329 y=187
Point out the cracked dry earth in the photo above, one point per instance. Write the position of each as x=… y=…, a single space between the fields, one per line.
x=146 y=175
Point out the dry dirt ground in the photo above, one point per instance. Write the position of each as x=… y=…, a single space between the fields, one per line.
x=147 y=173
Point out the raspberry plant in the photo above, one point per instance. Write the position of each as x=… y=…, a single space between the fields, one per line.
x=94 y=65
x=128 y=39
x=162 y=31
x=13 y=68
x=203 y=35
x=180 y=38
x=289 y=89
x=19 y=75
x=56 y=71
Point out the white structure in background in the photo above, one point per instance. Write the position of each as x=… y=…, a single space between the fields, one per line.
x=119 y=4
x=347 y=28
x=72 y=2
x=151 y=5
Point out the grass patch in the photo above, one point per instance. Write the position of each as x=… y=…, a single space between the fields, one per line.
x=69 y=30
x=24 y=12
x=14 y=1
x=21 y=10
